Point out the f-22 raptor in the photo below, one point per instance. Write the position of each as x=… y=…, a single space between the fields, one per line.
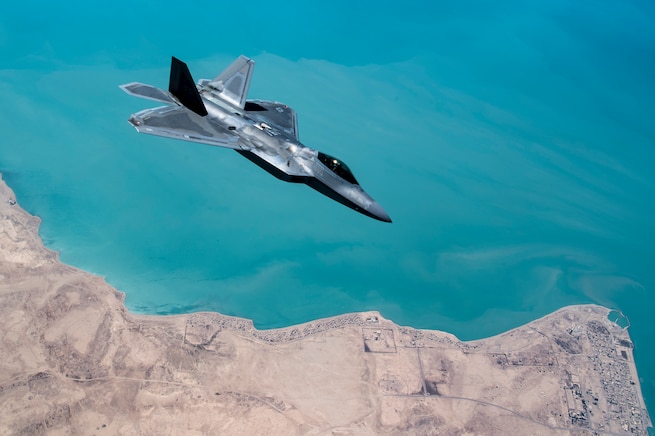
x=216 y=112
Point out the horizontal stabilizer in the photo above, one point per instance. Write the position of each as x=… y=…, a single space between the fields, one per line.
x=147 y=91
x=182 y=86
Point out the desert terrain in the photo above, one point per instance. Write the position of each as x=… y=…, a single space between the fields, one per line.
x=73 y=360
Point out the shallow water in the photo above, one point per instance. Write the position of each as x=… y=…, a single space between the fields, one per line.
x=512 y=146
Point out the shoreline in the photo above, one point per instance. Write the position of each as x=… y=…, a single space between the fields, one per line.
x=72 y=351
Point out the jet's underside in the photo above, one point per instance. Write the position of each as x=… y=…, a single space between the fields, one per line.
x=313 y=182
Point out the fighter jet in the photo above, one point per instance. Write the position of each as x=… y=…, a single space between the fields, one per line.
x=216 y=112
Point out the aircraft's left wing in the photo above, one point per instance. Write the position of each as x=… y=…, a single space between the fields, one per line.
x=177 y=122
x=275 y=113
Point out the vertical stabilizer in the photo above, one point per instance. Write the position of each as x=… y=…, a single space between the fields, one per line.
x=233 y=83
x=183 y=87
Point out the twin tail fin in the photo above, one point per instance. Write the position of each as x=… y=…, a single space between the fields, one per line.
x=182 y=86
x=231 y=86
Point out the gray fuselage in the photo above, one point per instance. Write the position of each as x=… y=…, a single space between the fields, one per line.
x=216 y=112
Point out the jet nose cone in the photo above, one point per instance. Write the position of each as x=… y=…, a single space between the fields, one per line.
x=378 y=213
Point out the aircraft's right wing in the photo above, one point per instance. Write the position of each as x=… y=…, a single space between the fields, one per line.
x=177 y=122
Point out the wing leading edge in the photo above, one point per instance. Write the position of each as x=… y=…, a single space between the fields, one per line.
x=277 y=114
x=180 y=123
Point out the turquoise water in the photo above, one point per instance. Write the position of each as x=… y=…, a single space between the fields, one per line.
x=512 y=145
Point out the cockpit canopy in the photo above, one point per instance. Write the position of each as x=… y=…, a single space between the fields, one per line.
x=337 y=167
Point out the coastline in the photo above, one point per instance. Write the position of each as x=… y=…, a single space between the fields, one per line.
x=75 y=359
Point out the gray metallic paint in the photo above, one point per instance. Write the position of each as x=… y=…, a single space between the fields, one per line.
x=267 y=135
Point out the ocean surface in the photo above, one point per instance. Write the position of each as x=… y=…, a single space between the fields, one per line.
x=512 y=143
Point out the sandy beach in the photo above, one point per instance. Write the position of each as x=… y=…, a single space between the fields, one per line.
x=73 y=360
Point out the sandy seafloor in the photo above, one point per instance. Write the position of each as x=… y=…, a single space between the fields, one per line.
x=512 y=145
